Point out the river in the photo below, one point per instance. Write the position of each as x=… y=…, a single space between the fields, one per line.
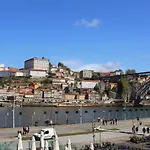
x=59 y=115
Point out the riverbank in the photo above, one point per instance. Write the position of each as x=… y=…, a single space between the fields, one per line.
x=81 y=134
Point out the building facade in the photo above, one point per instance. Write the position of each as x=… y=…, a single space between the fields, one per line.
x=37 y=63
x=35 y=73
x=87 y=84
x=86 y=74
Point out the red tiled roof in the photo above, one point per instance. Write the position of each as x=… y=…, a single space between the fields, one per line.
x=106 y=72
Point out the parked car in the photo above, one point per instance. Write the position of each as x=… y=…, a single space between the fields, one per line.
x=49 y=133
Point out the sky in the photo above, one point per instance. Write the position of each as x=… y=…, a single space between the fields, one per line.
x=102 y=35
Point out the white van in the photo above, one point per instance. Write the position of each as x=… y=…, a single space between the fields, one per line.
x=49 y=133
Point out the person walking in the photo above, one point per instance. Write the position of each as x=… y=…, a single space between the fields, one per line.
x=148 y=130
x=144 y=130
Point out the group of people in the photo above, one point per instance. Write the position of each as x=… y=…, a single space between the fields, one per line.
x=135 y=128
x=104 y=121
x=26 y=130
x=144 y=129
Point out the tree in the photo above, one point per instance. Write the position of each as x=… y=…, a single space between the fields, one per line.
x=130 y=71
x=100 y=88
x=46 y=81
x=60 y=65
x=96 y=75
x=126 y=89
x=6 y=80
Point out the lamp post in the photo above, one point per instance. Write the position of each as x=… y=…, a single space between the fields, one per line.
x=93 y=129
x=33 y=117
x=67 y=112
x=6 y=118
x=13 y=113
x=20 y=114
x=81 y=120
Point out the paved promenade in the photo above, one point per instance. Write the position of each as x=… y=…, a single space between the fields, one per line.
x=113 y=136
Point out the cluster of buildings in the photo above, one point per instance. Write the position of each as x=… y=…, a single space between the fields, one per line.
x=60 y=77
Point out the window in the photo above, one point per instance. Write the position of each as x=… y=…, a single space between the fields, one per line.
x=46 y=132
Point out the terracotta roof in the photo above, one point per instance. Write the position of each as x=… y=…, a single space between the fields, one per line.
x=106 y=72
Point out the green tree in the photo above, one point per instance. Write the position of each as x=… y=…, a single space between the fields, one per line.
x=130 y=71
x=46 y=81
x=6 y=80
x=60 y=65
x=126 y=89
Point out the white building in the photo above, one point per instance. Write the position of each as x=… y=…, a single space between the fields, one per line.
x=11 y=72
x=54 y=69
x=37 y=63
x=2 y=67
x=87 y=84
x=86 y=74
x=35 y=73
x=5 y=73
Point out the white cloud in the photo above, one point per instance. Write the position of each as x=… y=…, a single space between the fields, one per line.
x=93 y=23
x=78 y=65
x=110 y=66
x=71 y=63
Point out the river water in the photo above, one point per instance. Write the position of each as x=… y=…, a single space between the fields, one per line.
x=59 y=115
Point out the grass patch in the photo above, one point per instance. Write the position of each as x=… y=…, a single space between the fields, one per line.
x=66 y=134
x=148 y=125
x=114 y=129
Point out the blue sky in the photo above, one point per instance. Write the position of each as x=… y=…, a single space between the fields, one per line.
x=84 y=34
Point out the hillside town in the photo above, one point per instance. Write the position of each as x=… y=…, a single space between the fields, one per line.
x=41 y=82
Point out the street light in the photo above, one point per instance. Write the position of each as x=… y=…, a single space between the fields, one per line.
x=6 y=118
x=20 y=114
x=81 y=120
x=13 y=112
x=33 y=117
x=93 y=130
